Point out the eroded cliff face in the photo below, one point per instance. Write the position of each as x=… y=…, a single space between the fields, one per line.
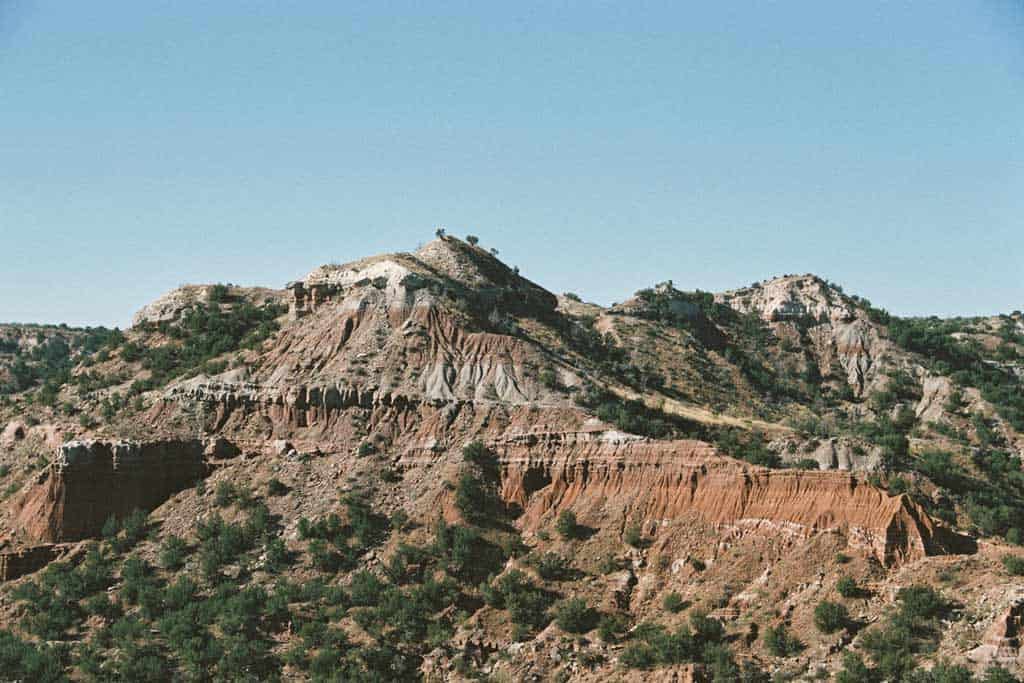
x=1002 y=642
x=610 y=478
x=391 y=330
x=91 y=480
x=839 y=331
x=628 y=480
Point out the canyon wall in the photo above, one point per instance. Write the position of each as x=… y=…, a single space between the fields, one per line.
x=91 y=480
x=20 y=562
x=625 y=478
x=607 y=477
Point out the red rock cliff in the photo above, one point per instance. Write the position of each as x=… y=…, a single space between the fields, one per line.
x=91 y=480
x=644 y=480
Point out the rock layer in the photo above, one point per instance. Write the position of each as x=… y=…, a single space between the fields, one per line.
x=20 y=562
x=1002 y=642
x=644 y=481
x=91 y=480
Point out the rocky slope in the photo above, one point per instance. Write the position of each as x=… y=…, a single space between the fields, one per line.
x=677 y=455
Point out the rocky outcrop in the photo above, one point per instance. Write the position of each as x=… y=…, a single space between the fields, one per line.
x=89 y=481
x=16 y=564
x=446 y=267
x=836 y=453
x=1001 y=645
x=935 y=393
x=170 y=306
x=389 y=330
x=643 y=481
x=839 y=331
x=16 y=431
x=790 y=298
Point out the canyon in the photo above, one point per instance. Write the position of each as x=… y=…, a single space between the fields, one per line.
x=743 y=451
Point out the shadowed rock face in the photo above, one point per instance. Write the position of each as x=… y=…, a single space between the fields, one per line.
x=20 y=562
x=643 y=481
x=91 y=480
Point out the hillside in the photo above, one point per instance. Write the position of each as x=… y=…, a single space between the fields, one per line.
x=424 y=466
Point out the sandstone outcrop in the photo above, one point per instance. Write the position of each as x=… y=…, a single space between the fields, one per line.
x=172 y=304
x=840 y=332
x=791 y=297
x=645 y=481
x=444 y=267
x=836 y=453
x=1001 y=645
x=935 y=392
x=16 y=431
x=17 y=563
x=91 y=480
x=399 y=329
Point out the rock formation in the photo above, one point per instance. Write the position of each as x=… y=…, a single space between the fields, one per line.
x=17 y=563
x=1001 y=645
x=91 y=480
x=170 y=306
x=839 y=330
x=642 y=481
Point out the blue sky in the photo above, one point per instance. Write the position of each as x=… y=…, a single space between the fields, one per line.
x=600 y=146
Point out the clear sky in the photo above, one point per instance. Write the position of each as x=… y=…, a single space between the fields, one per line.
x=600 y=146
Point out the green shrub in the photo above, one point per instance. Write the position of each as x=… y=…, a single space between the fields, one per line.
x=549 y=379
x=102 y=606
x=399 y=520
x=476 y=453
x=465 y=552
x=847 y=587
x=566 y=526
x=552 y=566
x=277 y=555
x=218 y=293
x=275 y=488
x=854 y=670
x=830 y=617
x=125 y=534
x=806 y=464
x=912 y=629
x=575 y=616
x=472 y=498
x=997 y=674
x=673 y=602
x=21 y=660
x=515 y=592
x=634 y=536
x=172 y=552
x=780 y=642
x=1014 y=565
x=324 y=558
x=638 y=656
x=227 y=494
x=611 y=627
x=221 y=543
x=706 y=629
x=365 y=589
